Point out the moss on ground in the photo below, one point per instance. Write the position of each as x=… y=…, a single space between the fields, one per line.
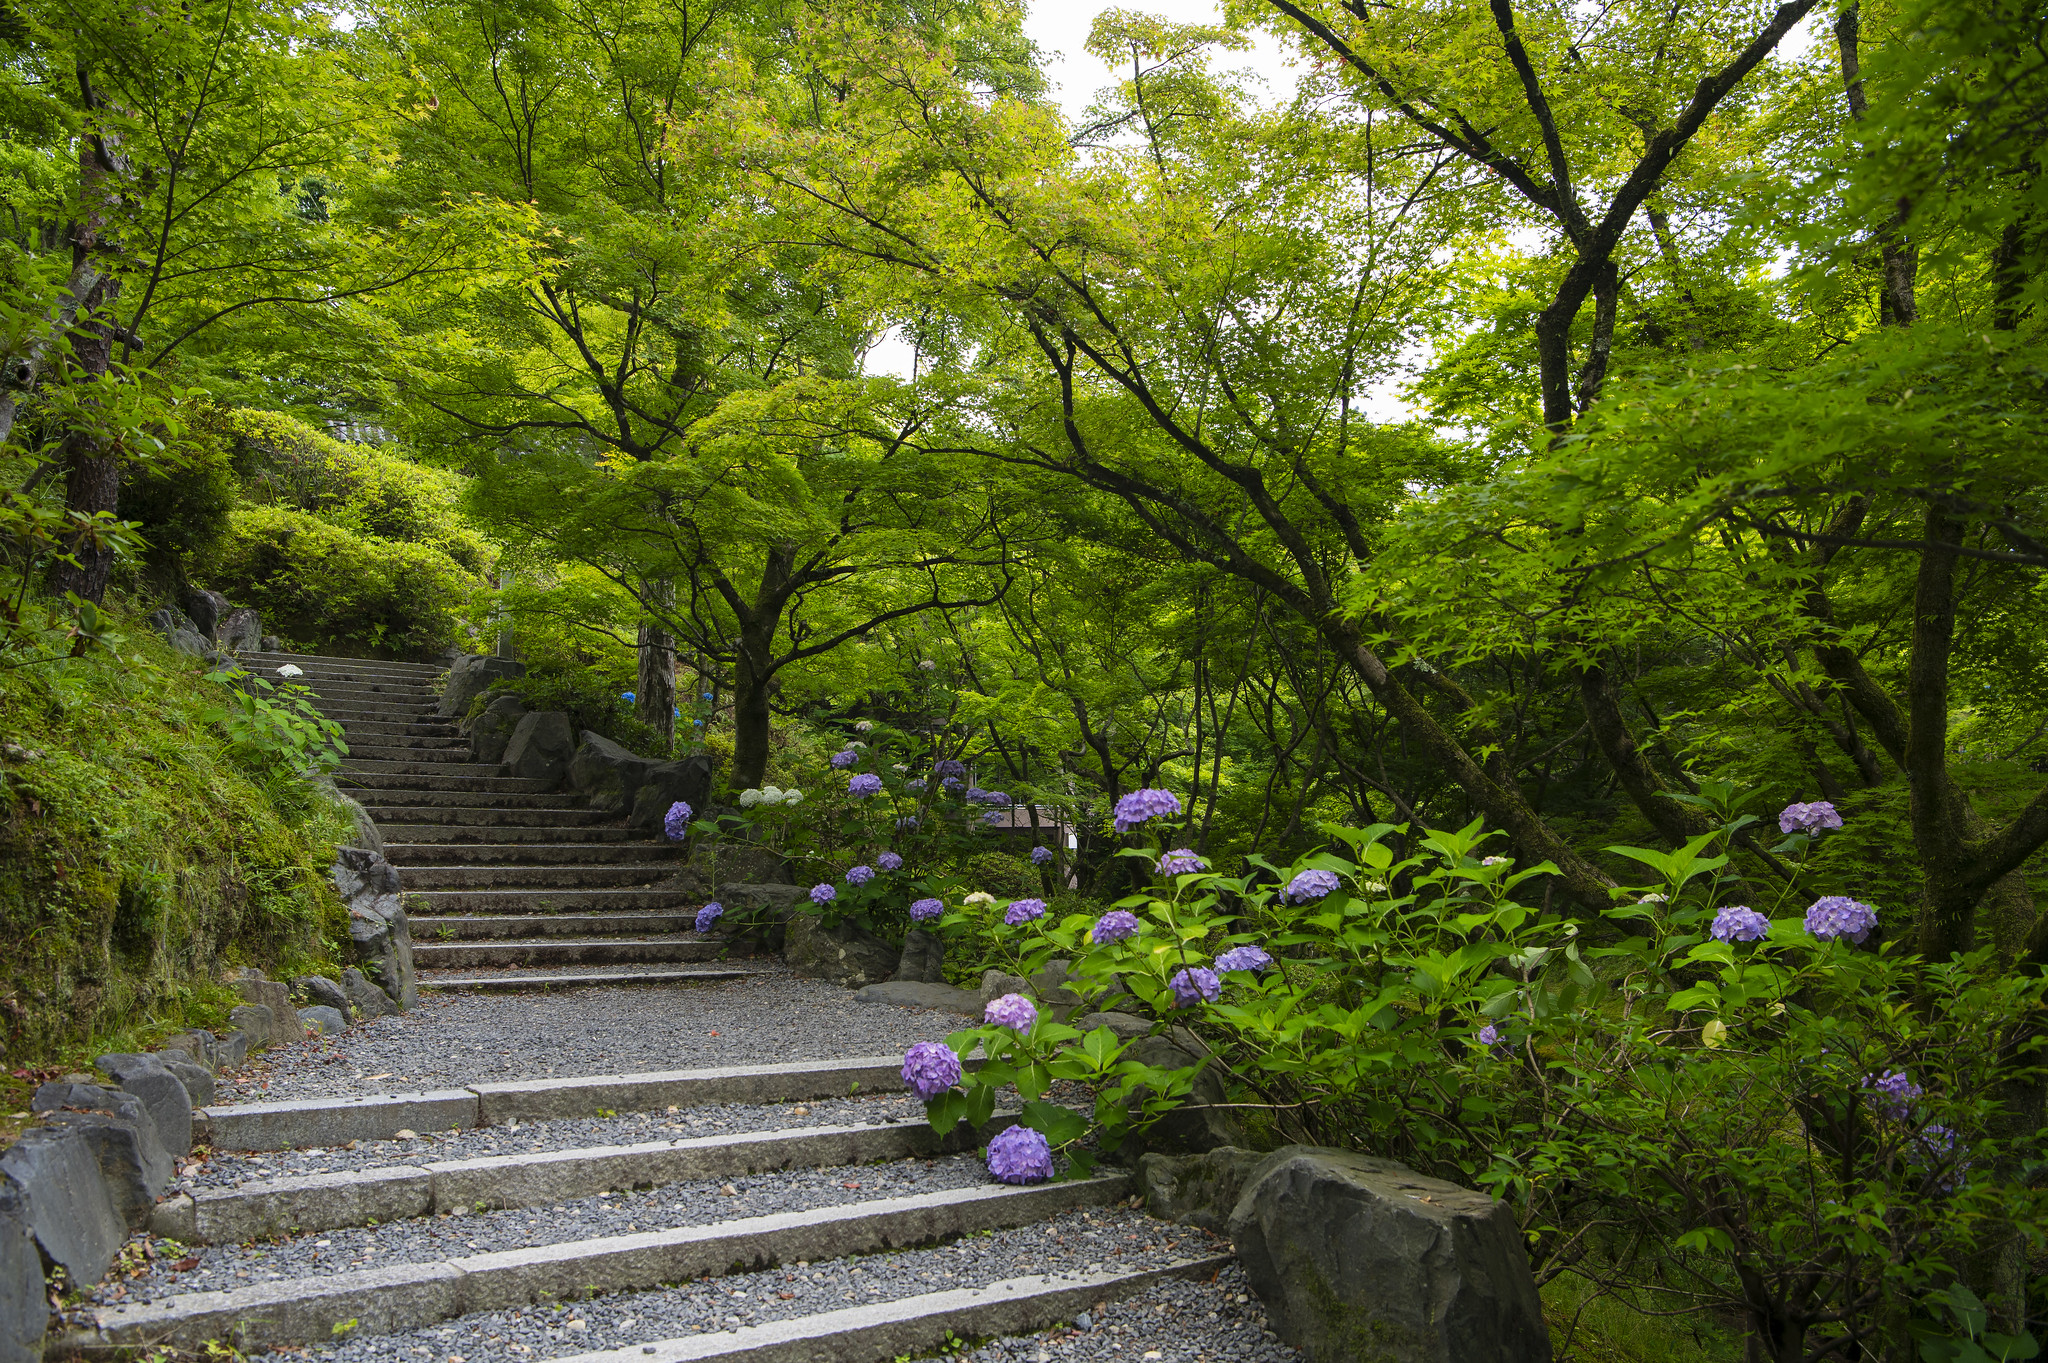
x=139 y=857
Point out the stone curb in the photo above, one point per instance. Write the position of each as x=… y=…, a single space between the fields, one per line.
x=355 y=1197
x=406 y=1296
x=581 y=980
x=378 y=1117
x=909 y=1325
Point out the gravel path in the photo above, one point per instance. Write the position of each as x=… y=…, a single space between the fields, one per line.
x=1073 y=1242
x=458 y=1039
x=693 y=1203
x=232 y=1169
x=1177 y=1321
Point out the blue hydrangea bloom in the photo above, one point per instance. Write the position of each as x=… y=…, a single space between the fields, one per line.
x=907 y=822
x=1490 y=1037
x=1023 y=911
x=1141 y=805
x=845 y=759
x=627 y=695
x=916 y=784
x=708 y=915
x=1041 y=856
x=1014 y=1011
x=952 y=783
x=888 y=861
x=1244 y=958
x=925 y=910
x=676 y=823
x=949 y=767
x=1840 y=916
x=1811 y=819
x=823 y=894
x=1181 y=861
x=1310 y=885
x=864 y=785
x=1738 y=923
x=1196 y=984
x=1899 y=1091
x=1114 y=926
x=859 y=875
x=1020 y=1155
x=930 y=1068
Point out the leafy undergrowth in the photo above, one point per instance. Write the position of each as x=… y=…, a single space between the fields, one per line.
x=140 y=854
x=1587 y=1326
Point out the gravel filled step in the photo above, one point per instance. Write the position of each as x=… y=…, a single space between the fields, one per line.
x=541 y=978
x=380 y=767
x=519 y=785
x=566 y=951
x=481 y=834
x=530 y=876
x=470 y=799
x=287 y=1309
x=531 y=853
x=485 y=816
x=483 y=926
x=426 y=750
x=544 y=900
x=1116 y=1250
x=273 y=658
x=396 y=730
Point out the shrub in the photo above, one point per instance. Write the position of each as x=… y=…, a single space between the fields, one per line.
x=325 y=589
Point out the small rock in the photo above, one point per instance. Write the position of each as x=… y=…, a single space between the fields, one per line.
x=318 y=989
x=322 y=1019
x=403 y=1134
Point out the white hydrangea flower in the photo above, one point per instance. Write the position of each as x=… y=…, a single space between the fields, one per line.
x=862 y=727
x=979 y=897
x=927 y=665
x=899 y=767
x=771 y=795
x=1651 y=899
x=856 y=743
x=750 y=798
x=291 y=670
x=1493 y=861
x=792 y=797
x=1375 y=887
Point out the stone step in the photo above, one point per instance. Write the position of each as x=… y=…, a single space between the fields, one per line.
x=304 y=1122
x=436 y=751
x=469 y=799
x=274 y=1208
x=377 y=767
x=407 y=781
x=571 y=876
x=349 y=712
x=507 y=835
x=542 y=979
x=386 y=1299
x=529 y=853
x=567 y=951
x=372 y=695
x=490 y=817
x=470 y=927
x=310 y=661
x=397 y=729
x=533 y=899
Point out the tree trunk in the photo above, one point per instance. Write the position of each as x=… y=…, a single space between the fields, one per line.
x=752 y=676
x=656 y=689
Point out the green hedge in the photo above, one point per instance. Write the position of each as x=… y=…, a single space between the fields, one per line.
x=324 y=589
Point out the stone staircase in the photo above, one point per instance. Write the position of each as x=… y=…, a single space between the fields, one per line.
x=800 y=1211
x=508 y=885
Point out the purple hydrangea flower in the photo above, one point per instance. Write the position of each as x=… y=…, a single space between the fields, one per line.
x=915 y=785
x=1013 y=1011
x=823 y=894
x=708 y=915
x=948 y=767
x=1936 y=1144
x=864 y=785
x=1020 y=1155
x=1196 y=984
x=1244 y=958
x=859 y=875
x=1738 y=923
x=1489 y=1035
x=845 y=759
x=1840 y=916
x=925 y=910
x=1310 y=885
x=1809 y=819
x=930 y=1068
x=976 y=795
x=888 y=861
x=1041 y=856
x=1181 y=862
x=952 y=783
x=907 y=822
x=1899 y=1090
x=676 y=823
x=1141 y=805
x=1114 y=926
x=1023 y=911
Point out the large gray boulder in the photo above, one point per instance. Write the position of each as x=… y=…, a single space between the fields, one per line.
x=116 y=1127
x=367 y=835
x=749 y=863
x=377 y=924
x=258 y=1024
x=240 y=630
x=470 y=676
x=845 y=954
x=1196 y=1190
x=197 y=1079
x=1195 y=1125
x=607 y=774
x=923 y=960
x=916 y=994
x=1363 y=1259
x=163 y=1093
x=204 y=608
x=491 y=733
x=687 y=779
x=321 y=992
x=368 y=999
x=322 y=1019
x=777 y=903
x=541 y=747
x=24 y=1311
x=71 y=1213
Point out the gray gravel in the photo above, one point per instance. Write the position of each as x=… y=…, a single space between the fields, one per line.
x=419 y=1239
x=234 y=1168
x=451 y=1040
x=1076 y=1241
x=1177 y=1321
